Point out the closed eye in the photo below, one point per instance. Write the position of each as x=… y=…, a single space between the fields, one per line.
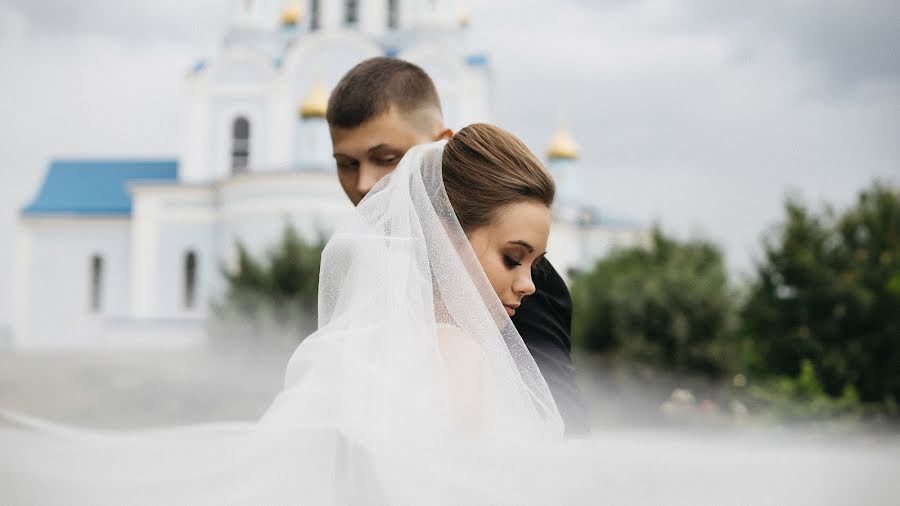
x=510 y=263
x=387 y=161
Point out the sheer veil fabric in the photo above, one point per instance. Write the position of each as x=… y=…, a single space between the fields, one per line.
x=416 y=388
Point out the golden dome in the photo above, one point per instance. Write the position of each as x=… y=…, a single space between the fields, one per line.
x=562 y=146
x=464 y=18
x=316 y=103
x=291 y=15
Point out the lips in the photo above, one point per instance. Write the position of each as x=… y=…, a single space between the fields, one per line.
x=510 y=310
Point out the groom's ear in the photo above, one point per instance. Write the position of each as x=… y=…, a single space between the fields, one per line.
x=444 y=134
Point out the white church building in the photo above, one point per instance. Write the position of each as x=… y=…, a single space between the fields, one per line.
x=130 y=251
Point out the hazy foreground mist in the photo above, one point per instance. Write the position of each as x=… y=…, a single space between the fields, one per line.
x=654 y=456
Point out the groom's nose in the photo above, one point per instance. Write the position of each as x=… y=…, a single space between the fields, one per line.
x=368 y=176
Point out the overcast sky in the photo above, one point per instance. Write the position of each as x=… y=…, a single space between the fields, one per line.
x=701 y=115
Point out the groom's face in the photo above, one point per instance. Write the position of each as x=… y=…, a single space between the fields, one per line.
x=372 y=150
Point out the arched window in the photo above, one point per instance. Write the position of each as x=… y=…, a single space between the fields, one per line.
x=393 y=16
x=315 y=11
x=190 y=279
x=240 y=145
x=351 y=12
x=96 y=283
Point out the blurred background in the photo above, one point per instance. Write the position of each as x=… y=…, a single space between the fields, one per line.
x=728 y=222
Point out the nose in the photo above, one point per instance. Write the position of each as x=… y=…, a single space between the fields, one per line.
x=368 y=176
x=524 y=285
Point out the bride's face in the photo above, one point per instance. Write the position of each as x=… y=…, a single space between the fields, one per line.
x=508 y=248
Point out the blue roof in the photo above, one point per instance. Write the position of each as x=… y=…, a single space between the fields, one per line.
x=96 y=187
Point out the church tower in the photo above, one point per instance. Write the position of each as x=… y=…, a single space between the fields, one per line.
x=313 y=138
x=256 y=153
x=562 y=161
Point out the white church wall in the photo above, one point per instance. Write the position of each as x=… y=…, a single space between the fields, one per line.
x=332 y=14
x=225 y=111
x=256 y=24
x=254 y=14
x=282 y=118
x=320 y=58
x=564 y=248
x=58 y=306
x=188 y=222
x=475 y=90
x=403 y=14
x=312 y=145
x=194 y=164
x=177 y=239
x=21 y=285
x=601 y=241
x=565 y=174
x=574 y=248
x=429 y=14
x=324 y=57
x=235 y=82
x=373 y=16
x=239 y=67
x=170 y=221
x=145 y=211
x=238 y=83
x=256 y=208
x=445 y=66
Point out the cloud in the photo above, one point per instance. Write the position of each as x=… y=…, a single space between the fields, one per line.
x=851 y=41
x=126 y=21
x=693 y=121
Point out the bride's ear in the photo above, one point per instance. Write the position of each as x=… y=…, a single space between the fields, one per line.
x=444 y=134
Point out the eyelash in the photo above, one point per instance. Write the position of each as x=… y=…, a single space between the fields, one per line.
x=510 y=263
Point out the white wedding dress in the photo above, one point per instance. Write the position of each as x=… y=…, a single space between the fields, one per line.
x=415 y=389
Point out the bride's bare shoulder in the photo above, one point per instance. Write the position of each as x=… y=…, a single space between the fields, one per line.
x=457 y=345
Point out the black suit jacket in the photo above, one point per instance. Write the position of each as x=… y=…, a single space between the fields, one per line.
x=544 y=320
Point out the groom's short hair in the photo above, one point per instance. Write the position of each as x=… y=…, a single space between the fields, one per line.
x=370 y=88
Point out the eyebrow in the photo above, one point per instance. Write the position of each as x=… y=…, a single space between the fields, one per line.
x=527 y=246
x=378 y=147
x=368 y=151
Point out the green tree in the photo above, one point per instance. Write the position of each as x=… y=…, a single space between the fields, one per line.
x=669 y=305
x=827 y=292
x=802 y=399
x=273 y=297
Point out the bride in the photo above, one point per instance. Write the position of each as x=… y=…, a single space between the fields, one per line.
x=416 y=387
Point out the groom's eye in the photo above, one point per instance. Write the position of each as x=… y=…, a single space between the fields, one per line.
x=345 y=166
x=388 y=160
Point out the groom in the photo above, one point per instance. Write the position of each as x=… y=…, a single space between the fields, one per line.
x=380 y=109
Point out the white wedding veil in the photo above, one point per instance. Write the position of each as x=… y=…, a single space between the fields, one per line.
x=392 y=280
x=370 y=400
